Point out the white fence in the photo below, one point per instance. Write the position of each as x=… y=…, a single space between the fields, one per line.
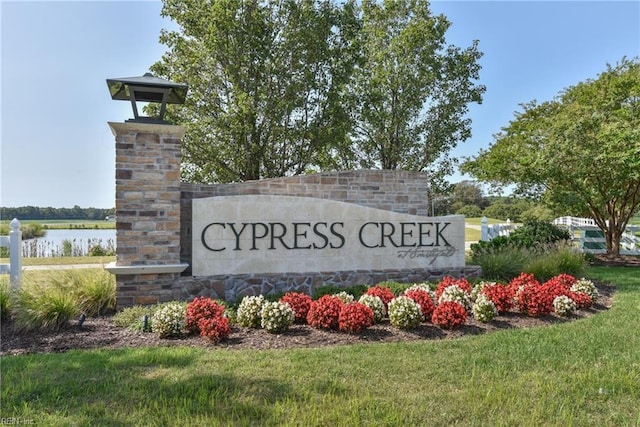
x=589 y=238
x=14 y=242
x=490 y=232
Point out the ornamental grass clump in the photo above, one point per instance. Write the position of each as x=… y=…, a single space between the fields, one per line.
x=325 y=312
x=483 y=309
x=354 y=317
x=276 y=316
x=169 y=320
x=299 y=303
x=404 y=313
x=449 y=315
x=457 y=294
x=249 y=313
x=376 y=305
x=564 y=306
x=423 y=298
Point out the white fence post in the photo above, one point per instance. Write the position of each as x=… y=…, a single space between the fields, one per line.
x=14 y=243
x=484 y=229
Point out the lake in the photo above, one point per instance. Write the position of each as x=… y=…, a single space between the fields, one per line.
x=52 y=244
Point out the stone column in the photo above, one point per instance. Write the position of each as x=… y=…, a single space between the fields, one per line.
x=147 y=212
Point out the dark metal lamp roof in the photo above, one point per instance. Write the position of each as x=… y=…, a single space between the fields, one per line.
x=147 y=88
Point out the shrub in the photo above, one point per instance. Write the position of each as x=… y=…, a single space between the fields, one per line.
x=276 y=316
x=249 y=312
x=586 y=287
x=483 y=309
x=500 y=295
x=449 y=315
x=470 y=211
x=563 y=305
x=447 y=281
x=424 y=300
x=383 y=292
x=532 y=233
x=582 y=300
x=456 y=294
x=132 y=317
x=376 y=305
x=325 y=312
x=356 y=290
x=354 y=317
x=553 y=259
x=169 y=320
x=404 y=312
x=299 y=303
x=345 y=297
x=202 y=308
x=215 y=329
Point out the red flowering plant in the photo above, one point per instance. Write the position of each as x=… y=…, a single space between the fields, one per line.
x=517 y=286
x=355 y=317
x=566 y=280
x=449 y=315
x=447 y=281
x=202 y=308
x=383 y=292
x=535 y=300
x=300 y=303
x=581 y=299
x=500 y=295
x=423 y=298
x=324 y=312
x=215 y=329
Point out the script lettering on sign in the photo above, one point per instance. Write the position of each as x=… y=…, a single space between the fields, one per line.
x=280 y=234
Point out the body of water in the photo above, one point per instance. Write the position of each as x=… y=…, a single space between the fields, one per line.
x=79 y=243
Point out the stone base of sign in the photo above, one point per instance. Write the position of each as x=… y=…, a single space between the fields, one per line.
x=233 y=288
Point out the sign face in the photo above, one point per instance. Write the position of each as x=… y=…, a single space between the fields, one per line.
x=285 y=234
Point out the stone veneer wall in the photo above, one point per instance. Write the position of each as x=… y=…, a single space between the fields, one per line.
x=397 y=191
x=154 y=221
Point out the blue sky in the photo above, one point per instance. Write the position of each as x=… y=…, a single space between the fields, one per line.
x=57 y=149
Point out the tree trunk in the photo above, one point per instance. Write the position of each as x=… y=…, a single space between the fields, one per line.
x=613 y=235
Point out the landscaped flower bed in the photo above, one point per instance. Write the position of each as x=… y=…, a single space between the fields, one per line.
x=447 y=305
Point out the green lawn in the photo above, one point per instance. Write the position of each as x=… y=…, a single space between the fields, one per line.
x=585 y=372
x=68 y=224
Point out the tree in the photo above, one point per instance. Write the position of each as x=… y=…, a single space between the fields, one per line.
x=266 y=85
x=467 y=193
x=580 y=150
x=413 y=89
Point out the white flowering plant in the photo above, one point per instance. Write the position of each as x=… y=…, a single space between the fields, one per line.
x=483 y=309
x=586 y=287
x=479 y=288
x=345 y=297
x=169 y=320
x=455 y=293
x=276 y=316
x=563 y=305
x=405 y=313
x=376 y=305
x=249 y=313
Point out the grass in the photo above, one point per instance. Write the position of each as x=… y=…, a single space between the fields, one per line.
x=585 y=372
x=69 y=260
x=68 y=224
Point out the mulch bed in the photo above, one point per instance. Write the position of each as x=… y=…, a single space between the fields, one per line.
x=102 y=333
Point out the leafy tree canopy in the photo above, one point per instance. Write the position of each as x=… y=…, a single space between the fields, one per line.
x=580 y=150
x=281 y=87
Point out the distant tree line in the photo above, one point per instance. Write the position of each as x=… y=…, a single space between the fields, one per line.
x=49 y=213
